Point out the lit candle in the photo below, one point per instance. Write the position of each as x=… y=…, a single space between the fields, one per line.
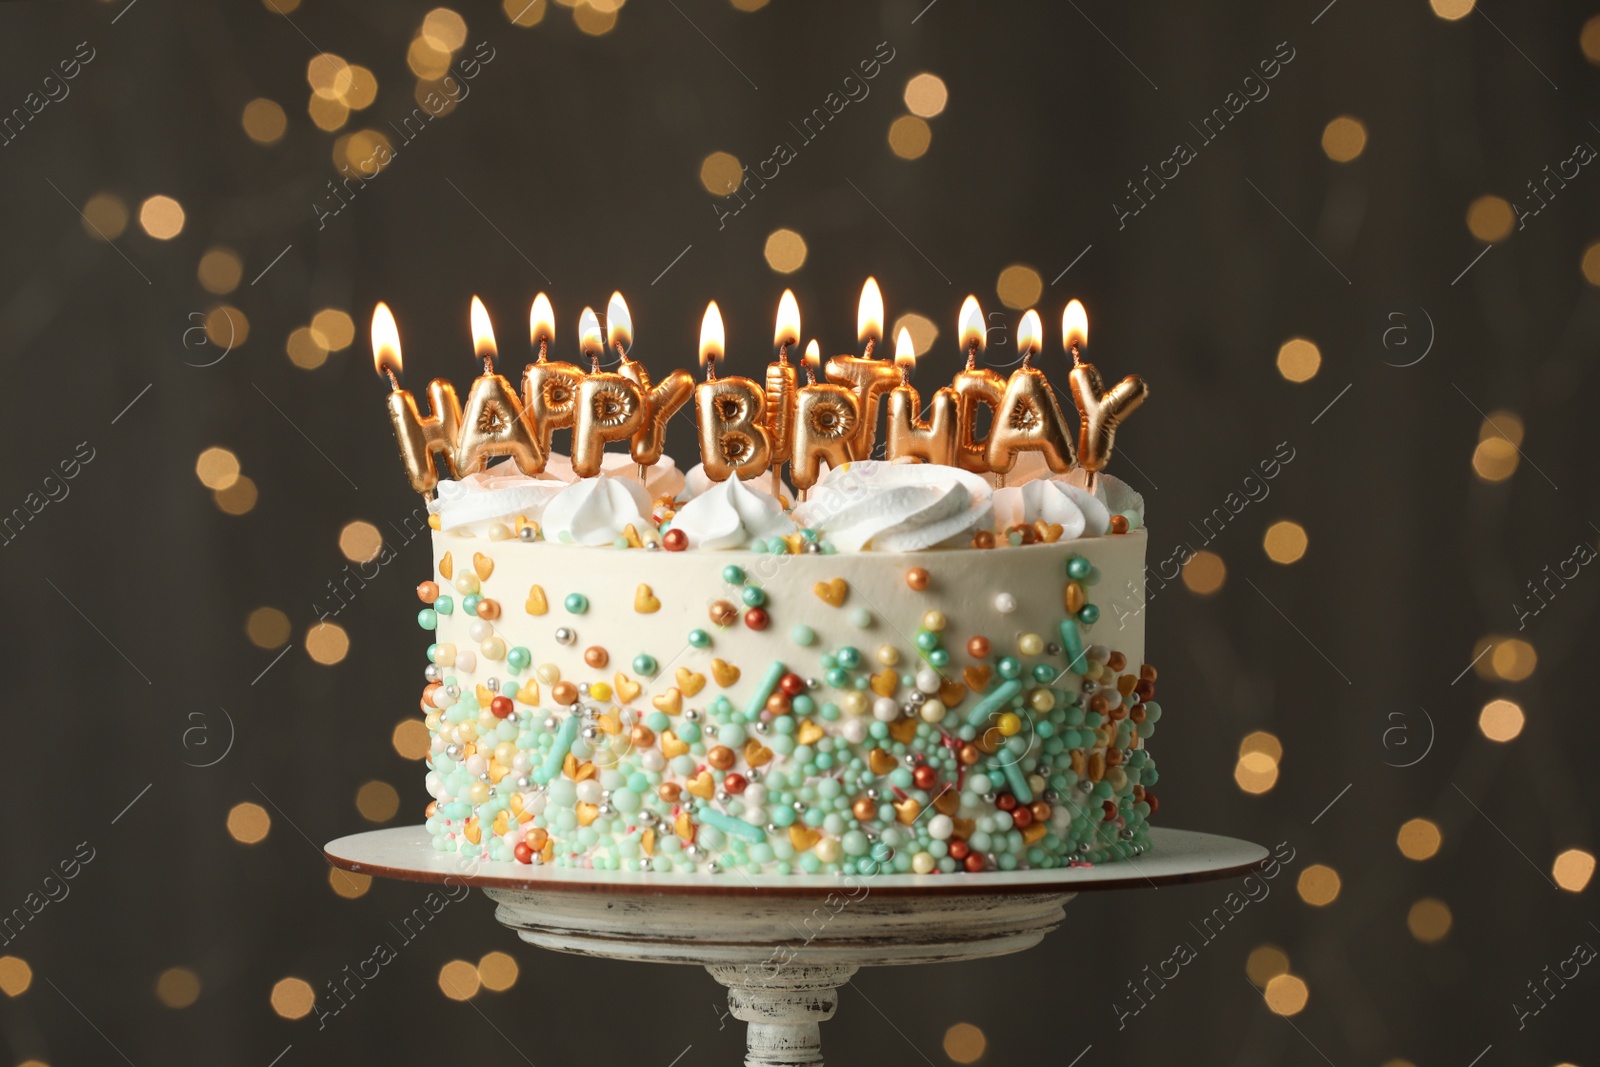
x=868 y=378
x=781 y=387
x=610 y=407
x=933 y=441
x=974 y=386
x=1029 y=419
x=825 y=421
x=662 y=400
x=729 y=411
x=494 y=423
x=549 y=390
x=1099 y=411
x=419 y=438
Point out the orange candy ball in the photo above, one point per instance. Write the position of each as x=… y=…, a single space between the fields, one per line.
x=917 y=578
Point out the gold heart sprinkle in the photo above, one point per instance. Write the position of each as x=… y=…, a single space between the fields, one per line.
x=644 y=600
x=691 y=682
x=951 y=694
x=483 y=565
x=756 y=754
x=725 y=673
x=885 y=682
x=880 y=761
x=587 y=813
x=683 y=827
x=832 y=592
x=447 y=567
x=627 y=689
x=947 y=802
x=1073 y=597
x=647 y=841
x=537 y=604
x=977 y=678
x=608 y=722
x=672 y=745
x=809 y=733
x=701 y=785
x=802 y=837
x=670 y=702
x=903 y=730
x=907 y=810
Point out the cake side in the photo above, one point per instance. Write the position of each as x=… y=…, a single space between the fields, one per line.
x=945 y=710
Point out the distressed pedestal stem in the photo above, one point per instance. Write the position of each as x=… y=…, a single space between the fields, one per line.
x=784 y=946
x=782 y=1008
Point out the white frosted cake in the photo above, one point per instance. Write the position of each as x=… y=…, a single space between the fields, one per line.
x=909 y=671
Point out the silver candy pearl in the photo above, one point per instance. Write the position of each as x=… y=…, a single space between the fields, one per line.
x=549 y=722
x=452 y=691
x=1090 y=688
x=693 y=715
x=523 y=782
x=652 y=546
x=1085 y=786
x=812 y=683
x=813 y=547
x=484 y=777
x=565 y=635
x=754 y=774
x=710 y=729
x=872 y=793
x=691 y=850
x=1051 y=796
x=605 y=794
x=1126 y=833
x=762 y=727
x=605 y=809
x=1083 y=846
x=772 y=828
x=452 y=751
x=713 y=867
x=583 y=689
x=799 y=806
x=432 y=673
x=917 y=698
x=910 y=759
x=591 y=733
x=723 y=796
x=989 y=797
x=492 y=685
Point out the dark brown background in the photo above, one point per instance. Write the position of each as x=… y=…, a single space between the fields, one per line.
x=584 y=152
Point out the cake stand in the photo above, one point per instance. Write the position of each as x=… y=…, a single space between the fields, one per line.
x=784 y=945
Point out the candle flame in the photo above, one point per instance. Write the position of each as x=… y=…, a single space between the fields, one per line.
x=971 y=325
x=1030 y=335
x=482 y=331
x=711 y=348
x=619 y=324
x=541 y=321
x=813 y=357
x=1074 y=326
x=869 y=313
x=385 y=340
x=788 y=329
x=905 y=353
x=589 y=342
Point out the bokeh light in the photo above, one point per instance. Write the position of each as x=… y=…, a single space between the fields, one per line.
x=965 y=1043
x=1513 y=660
x=1019 y=286
x=1285 y=541
x=458 y=980
x=305 y=348
x=264 y=121
x=1452 y=9
x=1418 y=839
x=1344 y=139
x=217 y=468
x=1256 y=772
x=333 y=329
x=1287 y=995
x=281 y=7
x=1262 y=742
x=909 y=137
x=749 y=5
x=377 y=801
x=524 y=13
x=350 y=885
x=923 y=330
x=444 y=29
x=721 y=173
x=327 y=643
x=1589 y=39
x=328 y=75
x=1506 y=425
x=1591 y=264
x=360 y=541
x=267 y=628
x=1429 y=920
x=1318 y=885
x=161 y=217
x=785 y=251
x=498 y=971
x=410 y=739
x=1205 y=573
x=327 y=113
x=227 y=327
x=926 y=95
x=238 y=499
x=220 y=270
x=1299 y=359
x=1265 y=963
x=1490 y=218
x=248 y=823
x=1501 y=720
x=426 y=60
x=1495 y=459
x=292 y=998
x=178 y=987
x=1573 y=869
x=105 y=216
x=594 y=20
x=15 y=976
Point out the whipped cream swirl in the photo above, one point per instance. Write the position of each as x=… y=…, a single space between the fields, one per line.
x=897 y=507
x=697 y=481
x=500 y=493
x=731 y=515
x=1079 y=512
x=595 y=511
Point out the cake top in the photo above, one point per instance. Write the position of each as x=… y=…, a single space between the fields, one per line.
x=872 y=505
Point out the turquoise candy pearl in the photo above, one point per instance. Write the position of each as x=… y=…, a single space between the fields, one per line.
x=861 y=618
x=753 y=596
x=643 y=664
x=427 y=619
x=939 y=657
x=733 y=575
x=577 y=603
x=855 y=843
x=518 y=658
x=1043 y=672
x=1089 y=614
x=809 y=534
x=699 y=639
x=1078 y=568
x=802 y=705
x=803 y=636
x=444 y=605
x=927 y=640
x=1010 y=667
x=848 y=657
x=470 y=602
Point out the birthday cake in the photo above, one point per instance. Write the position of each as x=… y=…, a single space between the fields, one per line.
x=917 y=667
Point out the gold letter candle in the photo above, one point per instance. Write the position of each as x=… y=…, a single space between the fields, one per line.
x=974 y=386
x=1100 y=411
x=661 y=402
x=868 y=378
x=933 y=441
x=825 y=419
x=781 y=382
x=729 y=411
x=419 y=438
x=493 y=423
x=1029 y=419
x=610 y=407
x=549 y=390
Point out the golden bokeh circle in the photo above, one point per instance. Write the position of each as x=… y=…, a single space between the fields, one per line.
x=594 y=21
x=785 y=251
x=1589 y=39
x=1285 y=541
x=909 y=137
x=1452 y=9
x=328 y=75
x=1205 y=573
x=238 y=499
x=444 y=28
x=177 y=987
x=458 y=980
x=305 y=349
x=248 y=823
x=721 y=173
x=1019 y=286
x=333 y=329
x=1501 y=720
x=426 y=60
x=1287 y=994
x=1265 y=963
x=217 y=468
x=105 y=216
x=1502 y=423
x=923 y=330
x=1573 y=869
x=227 y=327
x=1495 y=459
x=281 y=7
x=327 y=643
x=15 y=976
x=1489 y=218
x=220 y=270
x=264 y=121
x=926 y=95
x=267 y=628
x=965 y=1043
x=1513 y=660
x=377 y=801
x=1419 y=839
x=498 y=971
x=360 y=541
x=1344 y=139
x=1429 y=920
x=1591 y=264
x=411 y=739
x=350 y=885
x=749 y=5
x=1319 y=885
x=327 y=113
x=1299 y=359
x=1256 y=772
x=1260 y=741
x=161 y=217
x=524 y=13
x=293 y=998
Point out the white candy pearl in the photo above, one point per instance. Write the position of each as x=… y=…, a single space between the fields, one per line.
x=979 y=783
x=940 y=827
x=1005 y=603
x=536 y=805
x=854 y=730
x=933 y=711
x=466 y=662
x=923 y=863
x=755 y=794
x=433 y=784
x=652 y=761
x=589 y=791
x=476 y=765
x=884 y=709
x=928 y=680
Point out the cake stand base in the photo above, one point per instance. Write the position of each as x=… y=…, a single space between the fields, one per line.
x=783 y=946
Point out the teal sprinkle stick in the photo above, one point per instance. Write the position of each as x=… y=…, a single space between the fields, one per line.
x=758 y=699
x=558 y=751
x=729 y=825
x=1018 y=781
x=1073 y=644
x=994 y=701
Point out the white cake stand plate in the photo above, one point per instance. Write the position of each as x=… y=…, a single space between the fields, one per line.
x=784 y=945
